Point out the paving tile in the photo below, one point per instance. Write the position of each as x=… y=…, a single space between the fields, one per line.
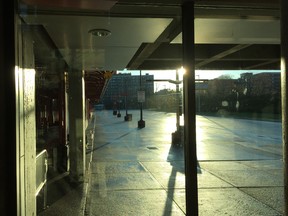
x=250 y=178
x=227 y=201
x=230 y=201
x=167 y=167
x=170 y=180
x=208 y=180
x=264 y=164
x=132 y=203
x=117 y=167
x=120 y=181
x=224 y=165
x=271 y=196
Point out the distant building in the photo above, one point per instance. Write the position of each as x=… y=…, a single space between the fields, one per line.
x=266 y=84
x=245 y=84
x=124 y=87
x=259 y=92
x=221 y=87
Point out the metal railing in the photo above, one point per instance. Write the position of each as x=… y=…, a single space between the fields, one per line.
x=41 y=175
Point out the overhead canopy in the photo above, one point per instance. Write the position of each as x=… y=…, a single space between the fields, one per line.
x=146 y=35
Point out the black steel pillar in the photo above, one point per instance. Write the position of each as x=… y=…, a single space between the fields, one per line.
x=178 y=102
x=284 y=90
x=8 y=166
x=188 y=46
x=141 y=122
x=77 y=150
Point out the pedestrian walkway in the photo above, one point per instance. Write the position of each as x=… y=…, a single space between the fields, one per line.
x=129 y=162
x=138 y=172
x=65 y=197
x=135 y=171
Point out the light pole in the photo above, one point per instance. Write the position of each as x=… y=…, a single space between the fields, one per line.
x=199 y=104
x=127 y=117
x=177 y=136
x=141 y=99
x=178 y=102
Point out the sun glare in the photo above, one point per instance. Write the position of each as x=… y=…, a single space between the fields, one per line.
x=181 y=72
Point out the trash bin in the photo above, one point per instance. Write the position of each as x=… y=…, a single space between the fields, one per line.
x=128 y=117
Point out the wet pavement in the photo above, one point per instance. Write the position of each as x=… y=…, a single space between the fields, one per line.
x=138 y=172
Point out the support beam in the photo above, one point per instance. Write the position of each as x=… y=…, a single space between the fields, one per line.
x=189 y=108
x=222 y=54
x=8 y=167
x=26 y=119
x=284 y=93
x=76 y=107
x=172 y=31
x=256 y=66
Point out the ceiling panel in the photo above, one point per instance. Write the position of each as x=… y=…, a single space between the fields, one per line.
x=72 y=4
x=229 y=34
x=84 y=51
x=231 y=31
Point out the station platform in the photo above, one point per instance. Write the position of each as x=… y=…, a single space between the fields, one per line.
x=134 y=171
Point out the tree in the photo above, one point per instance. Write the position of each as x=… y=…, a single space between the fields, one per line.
x=225 y=76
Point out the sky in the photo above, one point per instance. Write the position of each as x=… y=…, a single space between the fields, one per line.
x=199 y=74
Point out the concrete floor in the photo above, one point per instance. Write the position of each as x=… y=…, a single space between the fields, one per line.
x=137 y=171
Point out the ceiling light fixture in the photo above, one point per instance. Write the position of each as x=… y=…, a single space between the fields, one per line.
x=100 y=32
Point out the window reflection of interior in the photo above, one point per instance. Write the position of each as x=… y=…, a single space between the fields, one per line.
x=238 y=116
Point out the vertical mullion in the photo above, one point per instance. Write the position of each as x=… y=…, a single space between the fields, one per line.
x=188 y=46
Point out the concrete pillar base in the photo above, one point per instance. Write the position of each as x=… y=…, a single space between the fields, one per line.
x=178 y=137
x=141 y=124
x=128 y=117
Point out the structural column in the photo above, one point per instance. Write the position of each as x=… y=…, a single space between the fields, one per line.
x=26 y=122
x=8 y=168
x=284 y=90
x=76 y=109
x=188 y=47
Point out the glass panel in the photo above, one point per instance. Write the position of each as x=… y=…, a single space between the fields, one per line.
x=109 y=131
x=109 y=108
x=239 y=143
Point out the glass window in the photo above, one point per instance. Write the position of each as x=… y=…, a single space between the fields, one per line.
x=109 y=107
